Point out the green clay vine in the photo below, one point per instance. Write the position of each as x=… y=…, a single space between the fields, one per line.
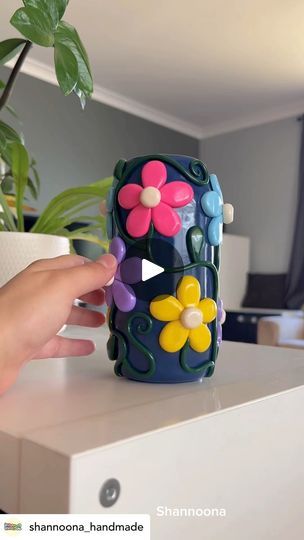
x=197 y=174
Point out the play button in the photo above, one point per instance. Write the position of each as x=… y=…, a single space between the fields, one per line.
x=150 y=270
x=151 y=275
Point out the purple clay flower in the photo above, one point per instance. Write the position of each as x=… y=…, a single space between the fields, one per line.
x=128 y=273
x=220 y=319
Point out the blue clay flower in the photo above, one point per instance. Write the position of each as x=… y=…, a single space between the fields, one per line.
x=213 y=206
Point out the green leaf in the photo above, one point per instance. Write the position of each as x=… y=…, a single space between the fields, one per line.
x=9 y=48
x=20 y=170
x=8 y=216
x=69 y=202
x=2 y=142
x=7 y=185
x=2 y=85
x=9 y=133
x=93 y=238
x=61 y=7
x=81 y=95
x=195 y=242
x=35 y=25
x=32 y=189
x=54 y=8
x=66 y=68
x=12 y=111
x=36 y=176
x=68 y=36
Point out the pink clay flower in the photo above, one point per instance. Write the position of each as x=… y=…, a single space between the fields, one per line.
x=154 y=201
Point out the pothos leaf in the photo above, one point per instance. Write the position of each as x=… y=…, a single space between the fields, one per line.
x=61 y=7
x=54 y=8
x=35 y=25
x=68 y=36
x=8 y=49
x=66 y=68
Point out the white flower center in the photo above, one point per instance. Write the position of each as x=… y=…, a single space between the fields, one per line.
x=150 y=197
x=228 y=213
x=191 y=317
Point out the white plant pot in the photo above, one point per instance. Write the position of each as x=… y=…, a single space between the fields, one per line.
x=18 y=250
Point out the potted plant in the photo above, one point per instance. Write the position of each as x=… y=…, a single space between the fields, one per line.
x=40 y=22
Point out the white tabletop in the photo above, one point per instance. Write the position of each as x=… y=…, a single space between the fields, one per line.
x=76 y=405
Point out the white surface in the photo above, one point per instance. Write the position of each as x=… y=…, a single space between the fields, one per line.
x=234 y=268
x=201 y=67
x=18 y=250
x=68 y=425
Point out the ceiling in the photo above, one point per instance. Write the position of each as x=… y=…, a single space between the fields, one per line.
x=200 y=66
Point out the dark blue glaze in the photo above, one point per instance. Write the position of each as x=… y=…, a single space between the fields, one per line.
x=167 y=368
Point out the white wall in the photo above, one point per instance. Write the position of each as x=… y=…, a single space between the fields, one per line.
x=73 y=147
x=258 y=171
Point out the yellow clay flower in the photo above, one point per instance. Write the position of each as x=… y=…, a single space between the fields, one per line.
x=187 y=317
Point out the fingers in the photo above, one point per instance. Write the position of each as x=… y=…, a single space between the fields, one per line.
x=60 y=347
x=8 y=380
x=96 y=298
x=82 y=280
x=57 y=263
x=85 y=317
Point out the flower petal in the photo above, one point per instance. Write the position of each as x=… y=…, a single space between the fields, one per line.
x=165 y=220
x=108 y=296
x=215 y=231
x=200 y=338
x=166 y=308
x=130 y=270
x=212 y=204
x=118 y=249
x=124 y=296
x=208 y=308
x=128 y=196
x=154 y=173
x=138 y=221
x=219 y=333
x=189 y=291
x=215 y=185
x=177 y=194
x=173 y=337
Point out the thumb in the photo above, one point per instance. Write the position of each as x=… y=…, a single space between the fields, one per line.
x=91 y=276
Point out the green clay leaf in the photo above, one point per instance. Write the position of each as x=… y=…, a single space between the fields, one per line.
x=119 y=169
x=112 y=347
x=195 y=243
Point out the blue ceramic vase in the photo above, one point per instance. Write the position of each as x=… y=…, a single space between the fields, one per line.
x=168 y=210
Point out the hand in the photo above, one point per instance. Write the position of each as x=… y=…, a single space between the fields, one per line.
x=36 y=303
